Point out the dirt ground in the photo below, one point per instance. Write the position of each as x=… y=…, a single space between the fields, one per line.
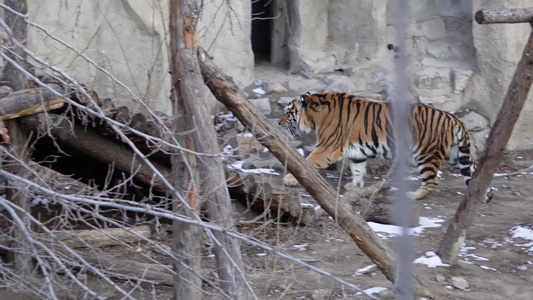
x=495 y=265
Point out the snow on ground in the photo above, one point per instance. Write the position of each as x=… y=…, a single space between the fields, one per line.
x=238 y=166
x=430 y=259
x=373 y=290
x=522 y=233
x=385 y=231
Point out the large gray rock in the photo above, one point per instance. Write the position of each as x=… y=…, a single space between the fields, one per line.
x=433 y=79
x=474 y=121
x=460 y=79
x=263 y=104
x=460 y=283
x=5 y=90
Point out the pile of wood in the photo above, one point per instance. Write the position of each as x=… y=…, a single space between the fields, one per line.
x=93 y=137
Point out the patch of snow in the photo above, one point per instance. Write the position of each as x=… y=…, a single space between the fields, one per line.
x=364 y=270
x=227 y=151
x=373 y=290
x=464 y=253
x=459 y=193
x=39 y=201
x=488 y=268
x=301 y=151
x=301 y=247
x=261 y=254
x=238 y=166
x=393 y=230
x=524 y=233
x=314 y=206
x=332 y=176
x=521 y=232
x=412 y=178
x=249 y=134
x=500 y=174
x=431 y=260
x=259 y=91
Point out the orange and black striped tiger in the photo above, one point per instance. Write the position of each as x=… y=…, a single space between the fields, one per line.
x=357 y=129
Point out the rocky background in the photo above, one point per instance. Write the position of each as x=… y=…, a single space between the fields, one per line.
x=456 y=64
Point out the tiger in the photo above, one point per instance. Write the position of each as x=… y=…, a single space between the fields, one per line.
x=348 y=127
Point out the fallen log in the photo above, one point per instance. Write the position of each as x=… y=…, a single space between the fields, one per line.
x=98 y=238
x=501 y=16
x=30 y=101
x=61 y=182
x=227 y=92
x=259 y=197
x=380 y=210
x=93 y=238
x=128 y=269
x=105 y=150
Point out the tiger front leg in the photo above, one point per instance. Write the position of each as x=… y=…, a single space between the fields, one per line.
x=317 y=159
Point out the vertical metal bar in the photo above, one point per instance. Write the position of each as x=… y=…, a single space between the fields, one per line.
x=402 y=212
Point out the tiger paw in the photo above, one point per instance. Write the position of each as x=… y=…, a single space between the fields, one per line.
x=419 y=194
x=354 y=185
x=488 y=195
x=290 y=180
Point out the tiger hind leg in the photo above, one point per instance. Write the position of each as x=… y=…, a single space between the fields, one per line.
x=358 y=170
x=467 y=168
x=428 y=167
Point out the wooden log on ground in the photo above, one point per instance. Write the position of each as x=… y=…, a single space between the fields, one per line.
x=61 y=182
x=97 y=238
x=105 y=150
x=227 y=92
x=128 y=269
x=501 y=16
x=491 y=157
x=380 y=210
x=28 y=102
x=259 y=197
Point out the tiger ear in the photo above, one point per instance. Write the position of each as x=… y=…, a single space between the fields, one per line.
x=300 y=102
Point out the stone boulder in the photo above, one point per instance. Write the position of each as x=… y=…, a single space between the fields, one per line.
x=263 y=104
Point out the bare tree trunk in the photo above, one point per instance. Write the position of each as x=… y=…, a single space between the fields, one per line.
x=192 y=116
x=18 y=81
x=227 y=92
x=491 y=156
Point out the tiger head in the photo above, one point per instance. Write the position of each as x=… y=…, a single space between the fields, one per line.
x=291 y=115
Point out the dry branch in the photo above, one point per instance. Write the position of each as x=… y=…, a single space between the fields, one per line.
x=491 y=156
x=105 y=150
x=513 y=15
x=227 y=92
x=28 y=102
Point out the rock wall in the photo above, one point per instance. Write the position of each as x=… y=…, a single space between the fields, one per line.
x=456 y=64
x=129 y=37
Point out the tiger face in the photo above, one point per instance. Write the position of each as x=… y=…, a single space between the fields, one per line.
x=290 y=118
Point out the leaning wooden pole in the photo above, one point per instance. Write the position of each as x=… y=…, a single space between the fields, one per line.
x=491 y=156
x=227 y=92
